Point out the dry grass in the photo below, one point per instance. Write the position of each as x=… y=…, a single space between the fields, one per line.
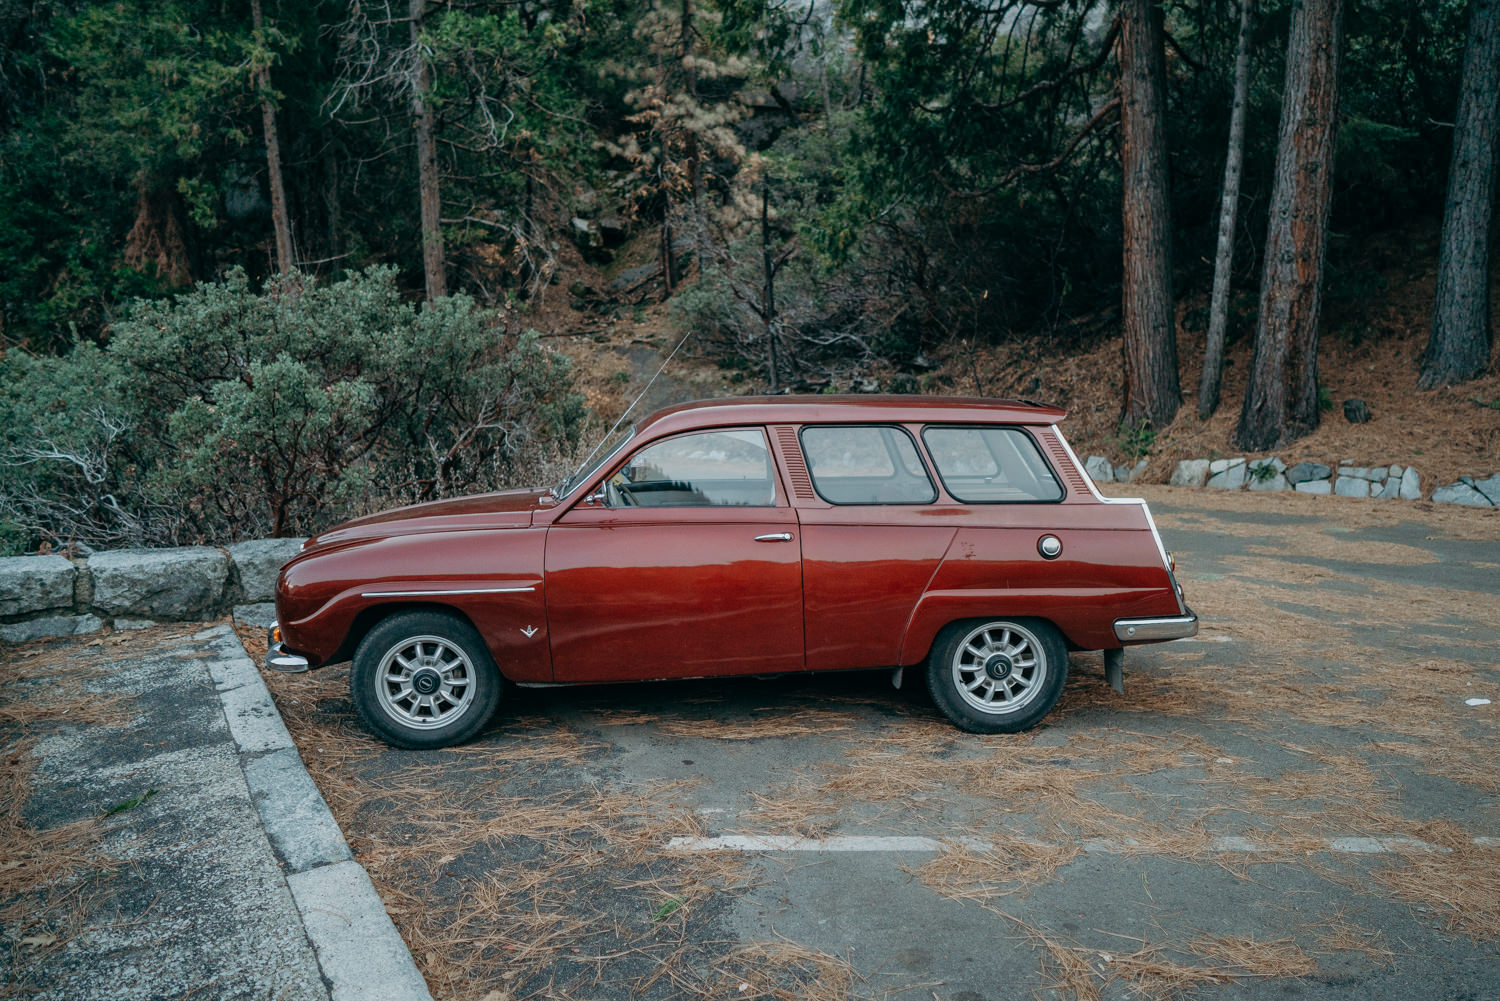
x=39 y=865
x=1161 y=969
x=1339 y=934
x=1013 y=865
x=1461 y=883
x=50 y=879
x=776 y=723
x=784 y=971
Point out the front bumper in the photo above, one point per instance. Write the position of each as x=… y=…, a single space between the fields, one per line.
x=278 y=658
x=1172 y=627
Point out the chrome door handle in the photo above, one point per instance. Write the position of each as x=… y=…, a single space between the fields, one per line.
x=775 y=537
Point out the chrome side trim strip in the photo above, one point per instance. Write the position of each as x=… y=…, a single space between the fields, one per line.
x=431 y=594
x=1174 y=627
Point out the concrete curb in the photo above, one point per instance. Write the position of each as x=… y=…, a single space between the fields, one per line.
x=360 y=952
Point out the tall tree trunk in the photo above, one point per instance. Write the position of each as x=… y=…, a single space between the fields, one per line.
x=1459 y=346
x=280 y=221
x=1218 y=309
x=1281 y=401
x=768 y=292
x=691 y=157
x=1152 y=393
x=427 y=171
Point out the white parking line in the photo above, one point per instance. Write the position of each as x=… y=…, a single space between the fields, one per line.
x=839 y=843
x=1099 y=846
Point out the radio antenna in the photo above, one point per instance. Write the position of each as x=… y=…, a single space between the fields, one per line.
x=639 y=396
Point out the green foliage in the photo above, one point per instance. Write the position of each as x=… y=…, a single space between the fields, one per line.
x=225 y=414
x=1136 y=439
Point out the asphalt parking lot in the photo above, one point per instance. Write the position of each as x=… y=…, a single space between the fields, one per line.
x=1301 y=801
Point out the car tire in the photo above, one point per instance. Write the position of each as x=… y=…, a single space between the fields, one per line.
x=997 y=675
x=424 y=679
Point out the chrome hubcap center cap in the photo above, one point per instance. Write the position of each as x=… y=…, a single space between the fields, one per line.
x=426 y=681
x=998 y=667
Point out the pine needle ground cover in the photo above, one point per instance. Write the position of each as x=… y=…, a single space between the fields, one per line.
x=1302 y=795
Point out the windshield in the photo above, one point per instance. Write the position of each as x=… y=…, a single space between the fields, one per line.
x=605 y=451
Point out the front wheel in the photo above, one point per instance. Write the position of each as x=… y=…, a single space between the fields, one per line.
x=997 y=676
x=424 y=679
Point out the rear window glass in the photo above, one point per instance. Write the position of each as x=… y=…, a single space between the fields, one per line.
x=866 y=465
x=991 y=465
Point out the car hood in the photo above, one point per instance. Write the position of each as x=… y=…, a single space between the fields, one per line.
x=506 y=509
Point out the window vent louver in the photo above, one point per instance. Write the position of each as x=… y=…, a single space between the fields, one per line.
x=796 y=468
x=1064 y=464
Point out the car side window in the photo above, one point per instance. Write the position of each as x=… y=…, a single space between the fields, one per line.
x=991 y=465
x=866 y=465
x=707 y=469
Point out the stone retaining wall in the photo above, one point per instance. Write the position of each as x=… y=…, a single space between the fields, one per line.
x=133 y=588
x=1347 y=479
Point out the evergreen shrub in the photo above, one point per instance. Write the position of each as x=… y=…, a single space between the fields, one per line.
x=224 y=414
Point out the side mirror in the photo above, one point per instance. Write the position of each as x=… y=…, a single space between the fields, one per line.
x=597 y=498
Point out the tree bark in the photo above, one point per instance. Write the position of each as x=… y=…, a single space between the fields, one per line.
x=1152 y=393
x=427 y=171
x=1218 y=309
x=768 y=294
x=280 y=221
x=1281 y=401
x=1459 y=345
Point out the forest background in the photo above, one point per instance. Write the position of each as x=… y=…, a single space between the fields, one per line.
x=265 y=265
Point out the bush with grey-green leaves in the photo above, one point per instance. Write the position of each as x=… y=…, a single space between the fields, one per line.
x=226 y=413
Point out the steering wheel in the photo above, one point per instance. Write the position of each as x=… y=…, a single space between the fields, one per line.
x=618 y=494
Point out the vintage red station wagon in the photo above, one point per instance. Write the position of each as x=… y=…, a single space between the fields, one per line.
x=746 y=536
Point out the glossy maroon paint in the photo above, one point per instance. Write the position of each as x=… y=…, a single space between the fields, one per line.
x=572 y=590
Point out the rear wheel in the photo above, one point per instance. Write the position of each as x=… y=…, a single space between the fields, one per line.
x=997 y=675
x=424 y=679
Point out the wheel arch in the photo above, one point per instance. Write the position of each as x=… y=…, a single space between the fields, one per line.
x=936 y=611
x=368 y=618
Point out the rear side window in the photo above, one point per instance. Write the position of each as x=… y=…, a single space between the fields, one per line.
x=991 y=465
x=866 y=465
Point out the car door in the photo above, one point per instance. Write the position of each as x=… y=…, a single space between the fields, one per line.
x=870 y=543
x=685 y=563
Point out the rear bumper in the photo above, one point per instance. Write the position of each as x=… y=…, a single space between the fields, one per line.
x=1173 y=627
x=279 y=658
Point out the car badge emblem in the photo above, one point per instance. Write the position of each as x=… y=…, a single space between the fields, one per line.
x=529 y=631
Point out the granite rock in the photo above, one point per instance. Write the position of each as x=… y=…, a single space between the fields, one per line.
x=1226 y=474
x=1411 y=485
x=1271 y=479
x=258 y=562
x=1303 y=472
x=1351 y=486
x=48 y=626
x=1190 y=473
x=30 y=584
x=181 y=584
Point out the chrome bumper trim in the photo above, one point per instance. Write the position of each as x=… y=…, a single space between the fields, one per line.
x=1174 y=627
x=279 y=659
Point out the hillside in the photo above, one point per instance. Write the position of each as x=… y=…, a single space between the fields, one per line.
x=1369 y=351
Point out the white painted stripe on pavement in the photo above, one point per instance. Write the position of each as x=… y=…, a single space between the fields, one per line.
x=838 y=843
x=1097 y=846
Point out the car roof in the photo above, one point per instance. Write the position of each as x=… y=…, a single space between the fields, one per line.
x=819 y=409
